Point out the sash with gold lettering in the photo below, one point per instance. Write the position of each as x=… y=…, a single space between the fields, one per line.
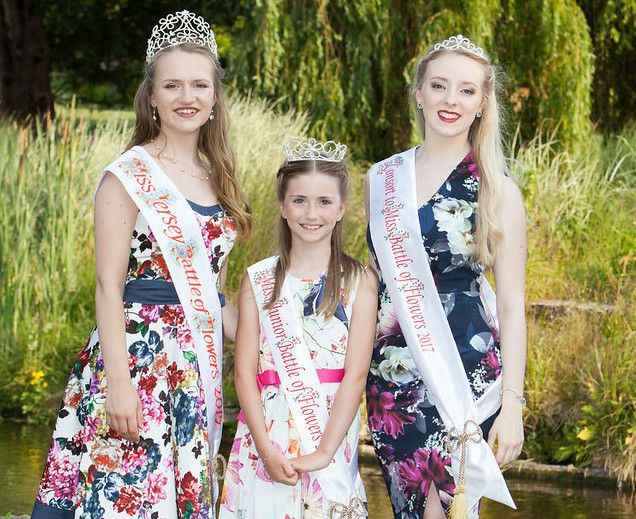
x=303 y=391
x=404 y=263
x=175 y=227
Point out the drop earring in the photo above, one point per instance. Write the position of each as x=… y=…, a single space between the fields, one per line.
x=154 y=113
x=211 y=114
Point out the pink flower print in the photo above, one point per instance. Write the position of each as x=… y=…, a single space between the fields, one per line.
x=384 y=411
x=312 y=497
x=60 y=477
x=472 y=167
x=134 y=458
x=184 y=337
x=149 y=313
x=491 y=364
x=417 y=473
x=155 y=487
x=152 y=411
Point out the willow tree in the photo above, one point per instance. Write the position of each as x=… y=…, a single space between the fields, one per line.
x=348 y=63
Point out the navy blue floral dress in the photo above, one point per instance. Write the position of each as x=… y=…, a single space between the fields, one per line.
x=406 y=428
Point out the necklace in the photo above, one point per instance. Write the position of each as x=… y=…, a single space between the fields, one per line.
x=177 y=164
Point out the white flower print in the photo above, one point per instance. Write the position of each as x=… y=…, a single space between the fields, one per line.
x=398 y=365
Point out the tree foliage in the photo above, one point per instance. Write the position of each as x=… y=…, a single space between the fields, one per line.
x=98 y=47
x=348 y=63
x=613 y=28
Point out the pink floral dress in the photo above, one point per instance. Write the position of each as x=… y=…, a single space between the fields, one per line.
x=248 y=492
x=91 y=472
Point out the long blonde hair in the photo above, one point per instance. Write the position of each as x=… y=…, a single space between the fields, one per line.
x=485 y=138
x=213 y=141
x=343 y=269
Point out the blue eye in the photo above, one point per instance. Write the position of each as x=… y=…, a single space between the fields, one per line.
x=325 y=201
x=468 y=91
x=298 y=200
x=170 y=86
x=437 y=86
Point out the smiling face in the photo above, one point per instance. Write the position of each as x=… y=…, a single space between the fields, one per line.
x=183 y=91
x=312 y=206
x=452 y=94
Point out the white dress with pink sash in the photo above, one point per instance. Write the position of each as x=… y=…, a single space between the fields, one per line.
x=248 y=491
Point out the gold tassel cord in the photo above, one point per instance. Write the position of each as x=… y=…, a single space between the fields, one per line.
x=354 y=509
x=454 y=441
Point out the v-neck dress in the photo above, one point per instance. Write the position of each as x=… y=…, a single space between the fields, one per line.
x=406 y=429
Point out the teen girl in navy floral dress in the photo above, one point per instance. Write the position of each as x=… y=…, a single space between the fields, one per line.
x=452 y=99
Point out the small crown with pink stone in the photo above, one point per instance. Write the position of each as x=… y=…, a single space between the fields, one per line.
x=459 y=42
x=311 y=149
x=180 y=27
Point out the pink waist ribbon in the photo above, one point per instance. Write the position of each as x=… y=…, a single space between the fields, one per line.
x=271 y=378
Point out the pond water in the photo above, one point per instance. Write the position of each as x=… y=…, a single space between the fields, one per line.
x=23 y=450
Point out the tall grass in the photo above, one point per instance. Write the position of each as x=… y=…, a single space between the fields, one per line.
x=582 y=243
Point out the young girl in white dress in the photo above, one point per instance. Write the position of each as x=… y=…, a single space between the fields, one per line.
x=303 y=346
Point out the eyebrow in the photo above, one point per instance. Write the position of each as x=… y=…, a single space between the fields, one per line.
x=439 y=78
x=202 y=80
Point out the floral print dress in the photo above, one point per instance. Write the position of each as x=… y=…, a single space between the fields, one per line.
x=248 y=492
x=91 y=471
x=406 y=429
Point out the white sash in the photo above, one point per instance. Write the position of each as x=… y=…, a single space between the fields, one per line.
x=300 y=383
x=179 y=237
x=404 y=263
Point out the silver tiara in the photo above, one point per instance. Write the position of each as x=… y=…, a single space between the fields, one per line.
x=459 y=42
x=178 y=28
x=311 y=149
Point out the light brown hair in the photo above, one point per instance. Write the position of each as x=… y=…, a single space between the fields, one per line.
x=485 y=138
x=343 y=269
x=213 y=142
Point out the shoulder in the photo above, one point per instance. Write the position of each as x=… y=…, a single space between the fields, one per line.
x=392 y=160
x=512 y=199
x=367 y=280
x=266 y=263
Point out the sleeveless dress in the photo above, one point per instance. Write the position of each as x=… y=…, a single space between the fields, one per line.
x=248 y=492
x=406 y=429
x=91 y=471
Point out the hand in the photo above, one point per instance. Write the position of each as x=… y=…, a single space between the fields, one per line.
x=311 y=462
x=123 y=410
x=507 y=433
x=279 y=468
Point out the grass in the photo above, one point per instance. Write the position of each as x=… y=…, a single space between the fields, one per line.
x=582 y=243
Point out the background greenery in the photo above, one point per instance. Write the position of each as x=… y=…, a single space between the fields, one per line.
x=340 y=69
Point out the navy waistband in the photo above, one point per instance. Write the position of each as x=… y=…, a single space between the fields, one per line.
x=154 y=292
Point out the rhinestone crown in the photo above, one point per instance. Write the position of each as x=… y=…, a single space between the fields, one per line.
x=458 y=42
x=180 y=27
x=311 y=149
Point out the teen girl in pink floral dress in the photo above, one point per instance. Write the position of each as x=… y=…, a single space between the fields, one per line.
x=133 y=436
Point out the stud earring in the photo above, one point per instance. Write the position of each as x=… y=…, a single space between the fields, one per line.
x=154 y=113
x=211 y=114
x=478 y=114
x=420 y=105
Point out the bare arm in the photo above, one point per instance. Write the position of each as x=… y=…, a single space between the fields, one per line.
x=245 y=371
x=115 y=215
x=230 y=312
x=347 y=400
x=510 y=273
